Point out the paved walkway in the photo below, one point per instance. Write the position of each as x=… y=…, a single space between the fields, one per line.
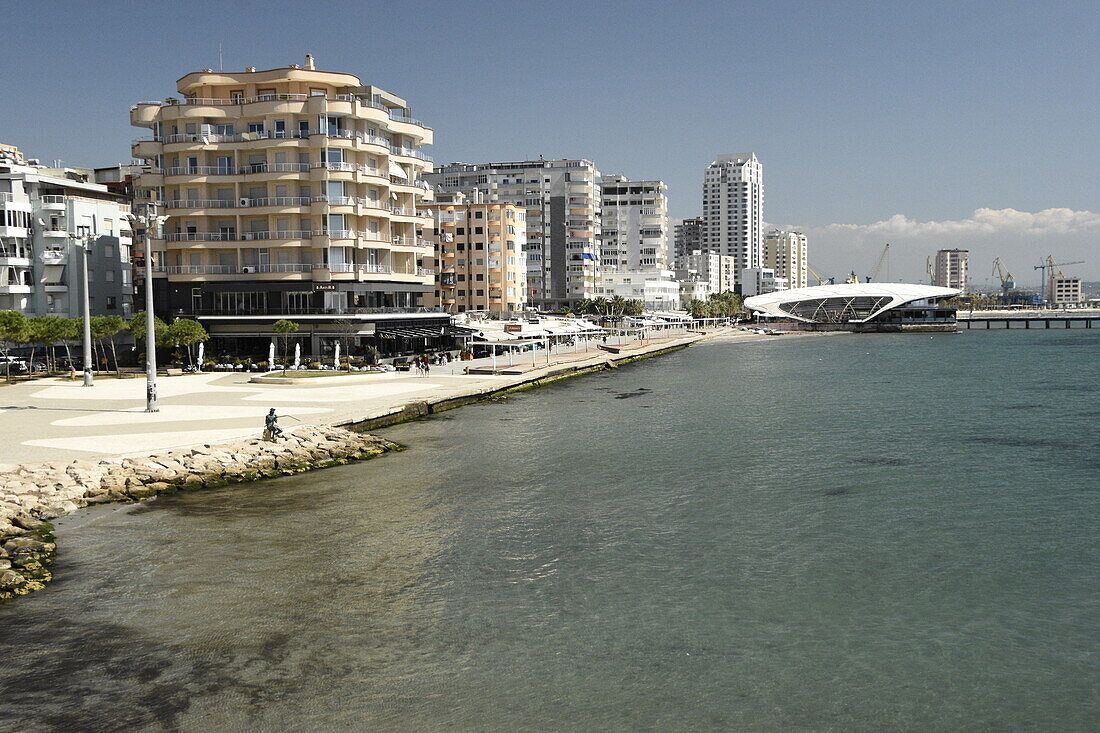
x=56 y=419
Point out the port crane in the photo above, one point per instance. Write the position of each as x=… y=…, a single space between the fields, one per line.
x=878 y=267
x=1047 y=267
x=1002 y=273
x=853 y=278
x=820 y=280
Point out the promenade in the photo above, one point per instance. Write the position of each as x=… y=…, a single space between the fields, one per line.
x=58 y=419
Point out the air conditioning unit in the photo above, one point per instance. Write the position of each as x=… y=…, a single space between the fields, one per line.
x=248 y=270
x=242 y=201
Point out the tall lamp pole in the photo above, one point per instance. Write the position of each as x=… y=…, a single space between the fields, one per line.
x=152 y=229
x=85 y=245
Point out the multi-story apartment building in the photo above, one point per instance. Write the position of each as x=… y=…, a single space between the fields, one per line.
x=687 y=238
x=717 y=271
x=952 y=269
x=48 y=216
x=785 y=254
x=634 y=224
x=657 y=289
x=1064 y=290
x=290 y=192
x=562 y=198
x=733 y=208
x=760 y=280
x=479 y=257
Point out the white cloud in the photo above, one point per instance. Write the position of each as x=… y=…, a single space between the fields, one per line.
x=984 y=221
x=1019 y=238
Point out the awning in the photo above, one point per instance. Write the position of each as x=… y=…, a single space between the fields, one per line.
x=398 y=171
x=414 y=332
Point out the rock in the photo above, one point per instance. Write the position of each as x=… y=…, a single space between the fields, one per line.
x=5 y=564
x=10 y=579
x=27 y=546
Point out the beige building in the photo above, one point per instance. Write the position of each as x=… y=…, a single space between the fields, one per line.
x=562 y=198
x=785 y=255
x=1064 y=290
x=289 y=191
x=479 y=255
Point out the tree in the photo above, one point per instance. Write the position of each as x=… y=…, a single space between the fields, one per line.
x=284 y=328
x=106 y=327
x=347 y=330
x=72 y=329
x=47 y=331
x=617 y=306
x=634 y=307
x=137 y=327
x=186 y=333
x=13 y=330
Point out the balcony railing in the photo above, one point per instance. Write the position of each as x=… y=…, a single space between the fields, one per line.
x=6 y=197
x=49 y=199
x=340 y=134
x=200 y=204
x=282 y=234
x=339 y=233
x=298 y=267
x=201 y=170
x=201 y=269
x=273 y=168
x=398 y=115
x=281 y=201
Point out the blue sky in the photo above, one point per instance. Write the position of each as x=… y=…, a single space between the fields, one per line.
x=861 y=112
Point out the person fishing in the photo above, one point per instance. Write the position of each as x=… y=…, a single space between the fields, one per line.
x=271 y=425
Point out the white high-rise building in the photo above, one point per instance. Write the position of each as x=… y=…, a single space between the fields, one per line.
x=733 y=208
x=952 y=269
x=635 y=224
x=785 y=254
x=562 y=198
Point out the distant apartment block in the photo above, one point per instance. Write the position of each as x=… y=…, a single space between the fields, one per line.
x=562 y=198
x=634 y=225
x=479 y=257
x=290 y=192
x=47 y=217
x=952 y=269
x=733 y=209
x=761 y=280
x=716 y=270
x=657 y=289
x=1064 y=291
x=687 y=238
x=785 y=254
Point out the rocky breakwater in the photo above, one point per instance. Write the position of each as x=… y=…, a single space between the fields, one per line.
x=33 y=494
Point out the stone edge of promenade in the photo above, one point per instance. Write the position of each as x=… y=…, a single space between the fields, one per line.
x=33 y=494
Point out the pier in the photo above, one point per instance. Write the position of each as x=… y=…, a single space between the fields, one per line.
x=1040 y=320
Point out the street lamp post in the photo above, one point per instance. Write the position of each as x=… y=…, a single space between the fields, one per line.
x=152 y=227
x=86 y=308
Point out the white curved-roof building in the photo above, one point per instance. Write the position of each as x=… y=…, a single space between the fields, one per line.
x=855 y=303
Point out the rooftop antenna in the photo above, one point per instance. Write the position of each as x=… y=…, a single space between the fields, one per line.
x=220 y=66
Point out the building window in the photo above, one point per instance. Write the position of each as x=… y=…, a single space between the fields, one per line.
x=112 y=303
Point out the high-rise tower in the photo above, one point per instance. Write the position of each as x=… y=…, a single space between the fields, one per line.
x=733 y=208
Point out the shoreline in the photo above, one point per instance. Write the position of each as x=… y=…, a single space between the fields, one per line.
x=35 y=494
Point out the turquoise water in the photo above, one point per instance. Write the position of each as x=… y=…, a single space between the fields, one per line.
x=880 y=532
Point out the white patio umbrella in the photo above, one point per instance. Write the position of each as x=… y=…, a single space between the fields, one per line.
x=297 y=356
x=202 y=352
x=271 y=356
x=336 y=361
